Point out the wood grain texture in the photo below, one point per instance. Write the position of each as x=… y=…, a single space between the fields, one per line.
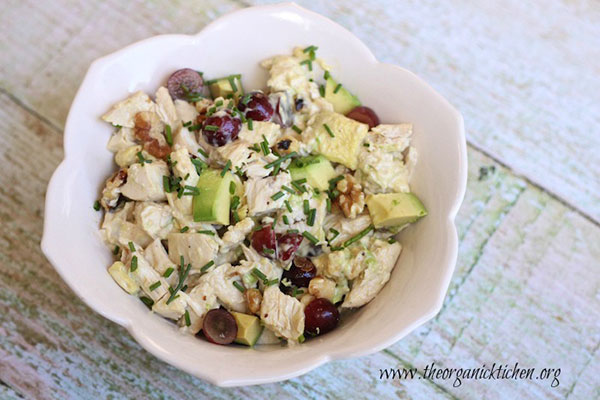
x=527 y=284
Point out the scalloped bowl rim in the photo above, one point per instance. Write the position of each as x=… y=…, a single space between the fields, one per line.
x=52 y=249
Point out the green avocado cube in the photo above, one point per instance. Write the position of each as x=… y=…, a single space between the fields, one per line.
x=249 y=328
x=317 y=171
x=212 y=202
x=394 y=209
x=227 y=87
x=343 y=101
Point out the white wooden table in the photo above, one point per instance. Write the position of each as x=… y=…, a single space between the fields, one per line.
x=526 y=77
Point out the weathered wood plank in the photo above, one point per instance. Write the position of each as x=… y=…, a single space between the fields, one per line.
x=526 y=290
x=524 y=75
x=53 y=346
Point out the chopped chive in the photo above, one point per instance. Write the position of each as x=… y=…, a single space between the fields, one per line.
x=195 y=127
x=255 y=147
x=292 y=231
x=268 y=251
x=191 y=190
x=272 y=282
x=207 y=266
x=133 y=263
x=296 y=129
x=278 y=195
x=211 y=233
x=322 y=90
x=184 y=288
x=276 y=169
x=328 y=201
x=184 y=229
x=328 y=129
x=213 y=128
x=311 y=217
x=182 y=277
x=337 y=88
x=359 y=236
x=296 y=292
x=155 y=286
x=280 y=160
x=116 y=250
x=288 y=189
x=97 y=205
x=231 y=80
x=335 y=233
x=258 y=273
x=235 y=202
x=201 y=151
x=306 y=207
x=274 y=221
x=199 y=164
x=188 y=322
x=219 y=103
x=308 y=64
x=231 y=187
x=186 y=176
x=250 y=124
x=131 y=247
x=288 y=206
x=236 y=217
x=238 y=286
x=391 y=240
x=179 y=192
x=169 y=135
x=166 y=184
x=366 y=144
x=310 y=48
x=226 y=168
x=168 y=272
x=265 y=148
x=338 y=248
x=334 y=181
x=246 y=99
x=186 y=124
x=298 y=187
x=310 y=237
x=301 y=181
x=285 y=220
x=326 y=75
x=147 y=301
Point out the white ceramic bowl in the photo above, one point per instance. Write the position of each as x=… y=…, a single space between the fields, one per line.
x=418 y=285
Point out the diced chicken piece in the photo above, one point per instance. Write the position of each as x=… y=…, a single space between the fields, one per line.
x=375 y=276
x=186 y=139
x=175 y=309
x=298 y=219
x=159 y=259
x=236 y=234
x=184 y=169
x=121 y=140
x=259 y=193
x=221 y=281
x=237 y=152
x=196 y=248
x=346 y=227
x=250 y=254
x=154 y=218
x=116 y=228
x=120 y=273
x=322 y=288
x=123 y=113
x=262 y=264
x=383 y=165
x=282 y=314
x=260 y=131
x=344 y=264
x=166 y=109
x=202 y=298
x=146 y=276
x=125 y=157
x=254 y=167
x=145 y=181
x=288 y=75
x=185 y=111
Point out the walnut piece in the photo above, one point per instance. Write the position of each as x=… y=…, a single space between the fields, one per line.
x=253 y=299
x=351 y=199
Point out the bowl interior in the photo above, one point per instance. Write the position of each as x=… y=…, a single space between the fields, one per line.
x=418 y=283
